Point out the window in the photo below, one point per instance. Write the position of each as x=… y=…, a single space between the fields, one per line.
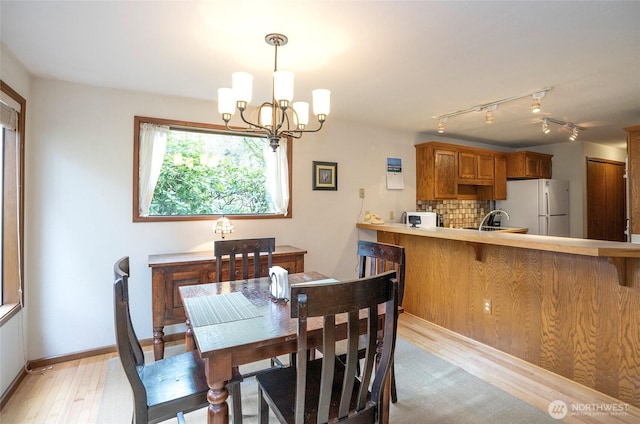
x=191 y=171
x=12 y=121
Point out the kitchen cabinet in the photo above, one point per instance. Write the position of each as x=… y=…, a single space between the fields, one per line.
x=500 y=176
x=447 y=171
x=444 y=175
x=475 y=166
x=525 y=164
x=436 y=172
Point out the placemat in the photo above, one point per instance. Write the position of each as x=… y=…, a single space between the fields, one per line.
x=216 y=309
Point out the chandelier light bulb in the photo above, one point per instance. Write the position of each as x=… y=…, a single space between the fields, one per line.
x=266 y=113
x=242 y=83
x=301 y=115
x=321 y=103
x=283 y=87
x=226 y=103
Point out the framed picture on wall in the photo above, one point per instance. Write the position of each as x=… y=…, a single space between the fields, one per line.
x=325 y=175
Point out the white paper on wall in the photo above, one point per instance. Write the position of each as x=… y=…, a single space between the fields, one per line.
x=395 y=179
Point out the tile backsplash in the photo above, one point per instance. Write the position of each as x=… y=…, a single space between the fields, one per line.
x=457 y=213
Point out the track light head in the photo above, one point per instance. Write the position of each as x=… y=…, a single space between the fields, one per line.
x=441 y=124
x=574 y=134
x=488 y=118
x=545 y=126
x=535 y=106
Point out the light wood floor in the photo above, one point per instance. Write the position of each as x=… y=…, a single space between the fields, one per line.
x=71 y=392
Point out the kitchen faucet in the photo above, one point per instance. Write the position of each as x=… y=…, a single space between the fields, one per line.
x=495 y=211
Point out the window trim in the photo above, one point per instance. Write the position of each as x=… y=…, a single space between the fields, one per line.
x=194 y=126
x=14 y=296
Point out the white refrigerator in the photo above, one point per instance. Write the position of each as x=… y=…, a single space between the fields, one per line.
x=542 y=206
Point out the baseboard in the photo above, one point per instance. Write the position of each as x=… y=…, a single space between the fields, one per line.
x=12 y=387
x=45 y=362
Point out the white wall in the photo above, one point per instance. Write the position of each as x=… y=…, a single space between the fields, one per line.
x=79 y=196
x=12 y=350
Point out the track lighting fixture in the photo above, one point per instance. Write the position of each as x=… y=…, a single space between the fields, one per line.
x=574 y=134
x=568 y=127
x=536 y=106
x=545 y=126
x=492 y=106
x=488 y=117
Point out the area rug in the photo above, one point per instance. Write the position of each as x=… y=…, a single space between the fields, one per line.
x=430 y=390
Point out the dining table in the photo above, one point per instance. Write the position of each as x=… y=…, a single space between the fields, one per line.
x=234 y=323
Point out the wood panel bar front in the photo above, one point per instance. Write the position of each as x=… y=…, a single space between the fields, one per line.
x=564 y=312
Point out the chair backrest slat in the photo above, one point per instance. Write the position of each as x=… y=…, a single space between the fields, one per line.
x=328 y=300
x=243 y=248
x=375 y=258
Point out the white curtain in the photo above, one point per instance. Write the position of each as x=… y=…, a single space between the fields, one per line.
x=8 y=117
x=153 y=144
x=278 y=177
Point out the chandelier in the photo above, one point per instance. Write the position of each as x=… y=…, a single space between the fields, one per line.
x=275 y=119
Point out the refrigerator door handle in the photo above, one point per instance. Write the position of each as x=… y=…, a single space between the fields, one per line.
x=547 y=218
x=546 y=194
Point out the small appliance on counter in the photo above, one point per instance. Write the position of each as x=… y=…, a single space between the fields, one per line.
x=421 y=219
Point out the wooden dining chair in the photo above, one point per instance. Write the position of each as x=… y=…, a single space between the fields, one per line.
x=243 y=248
x=375 y=258
x=325 y=389
x=240 y=249
x=164 y=389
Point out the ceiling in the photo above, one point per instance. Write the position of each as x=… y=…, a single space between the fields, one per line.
x=392 y=64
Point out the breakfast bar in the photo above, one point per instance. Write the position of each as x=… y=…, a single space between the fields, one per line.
x=571 y=306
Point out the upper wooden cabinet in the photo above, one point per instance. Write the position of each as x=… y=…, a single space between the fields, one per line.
x=475 y=166
x=525 y=164
x=500 y=173
x=445 y=184
x=436 y=172
x=448 y=171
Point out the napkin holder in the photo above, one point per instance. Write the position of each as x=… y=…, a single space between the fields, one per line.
x=279 y=286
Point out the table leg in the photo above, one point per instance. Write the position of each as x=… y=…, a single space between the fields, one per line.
x=218 y=411
x=218 y=371
x=158 y=343
x=189 y=342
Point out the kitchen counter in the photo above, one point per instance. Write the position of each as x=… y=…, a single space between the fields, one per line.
x=570 y=245
x=571 y=306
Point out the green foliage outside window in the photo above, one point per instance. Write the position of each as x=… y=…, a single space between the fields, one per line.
x=205 y=173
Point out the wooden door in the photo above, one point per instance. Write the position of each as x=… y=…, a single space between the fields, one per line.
x=445 y=175
x=606 y=200
x=485 y=167
x=500 y=178
x=467 y=165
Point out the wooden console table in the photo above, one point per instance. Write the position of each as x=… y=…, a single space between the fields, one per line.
x=170 y=271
